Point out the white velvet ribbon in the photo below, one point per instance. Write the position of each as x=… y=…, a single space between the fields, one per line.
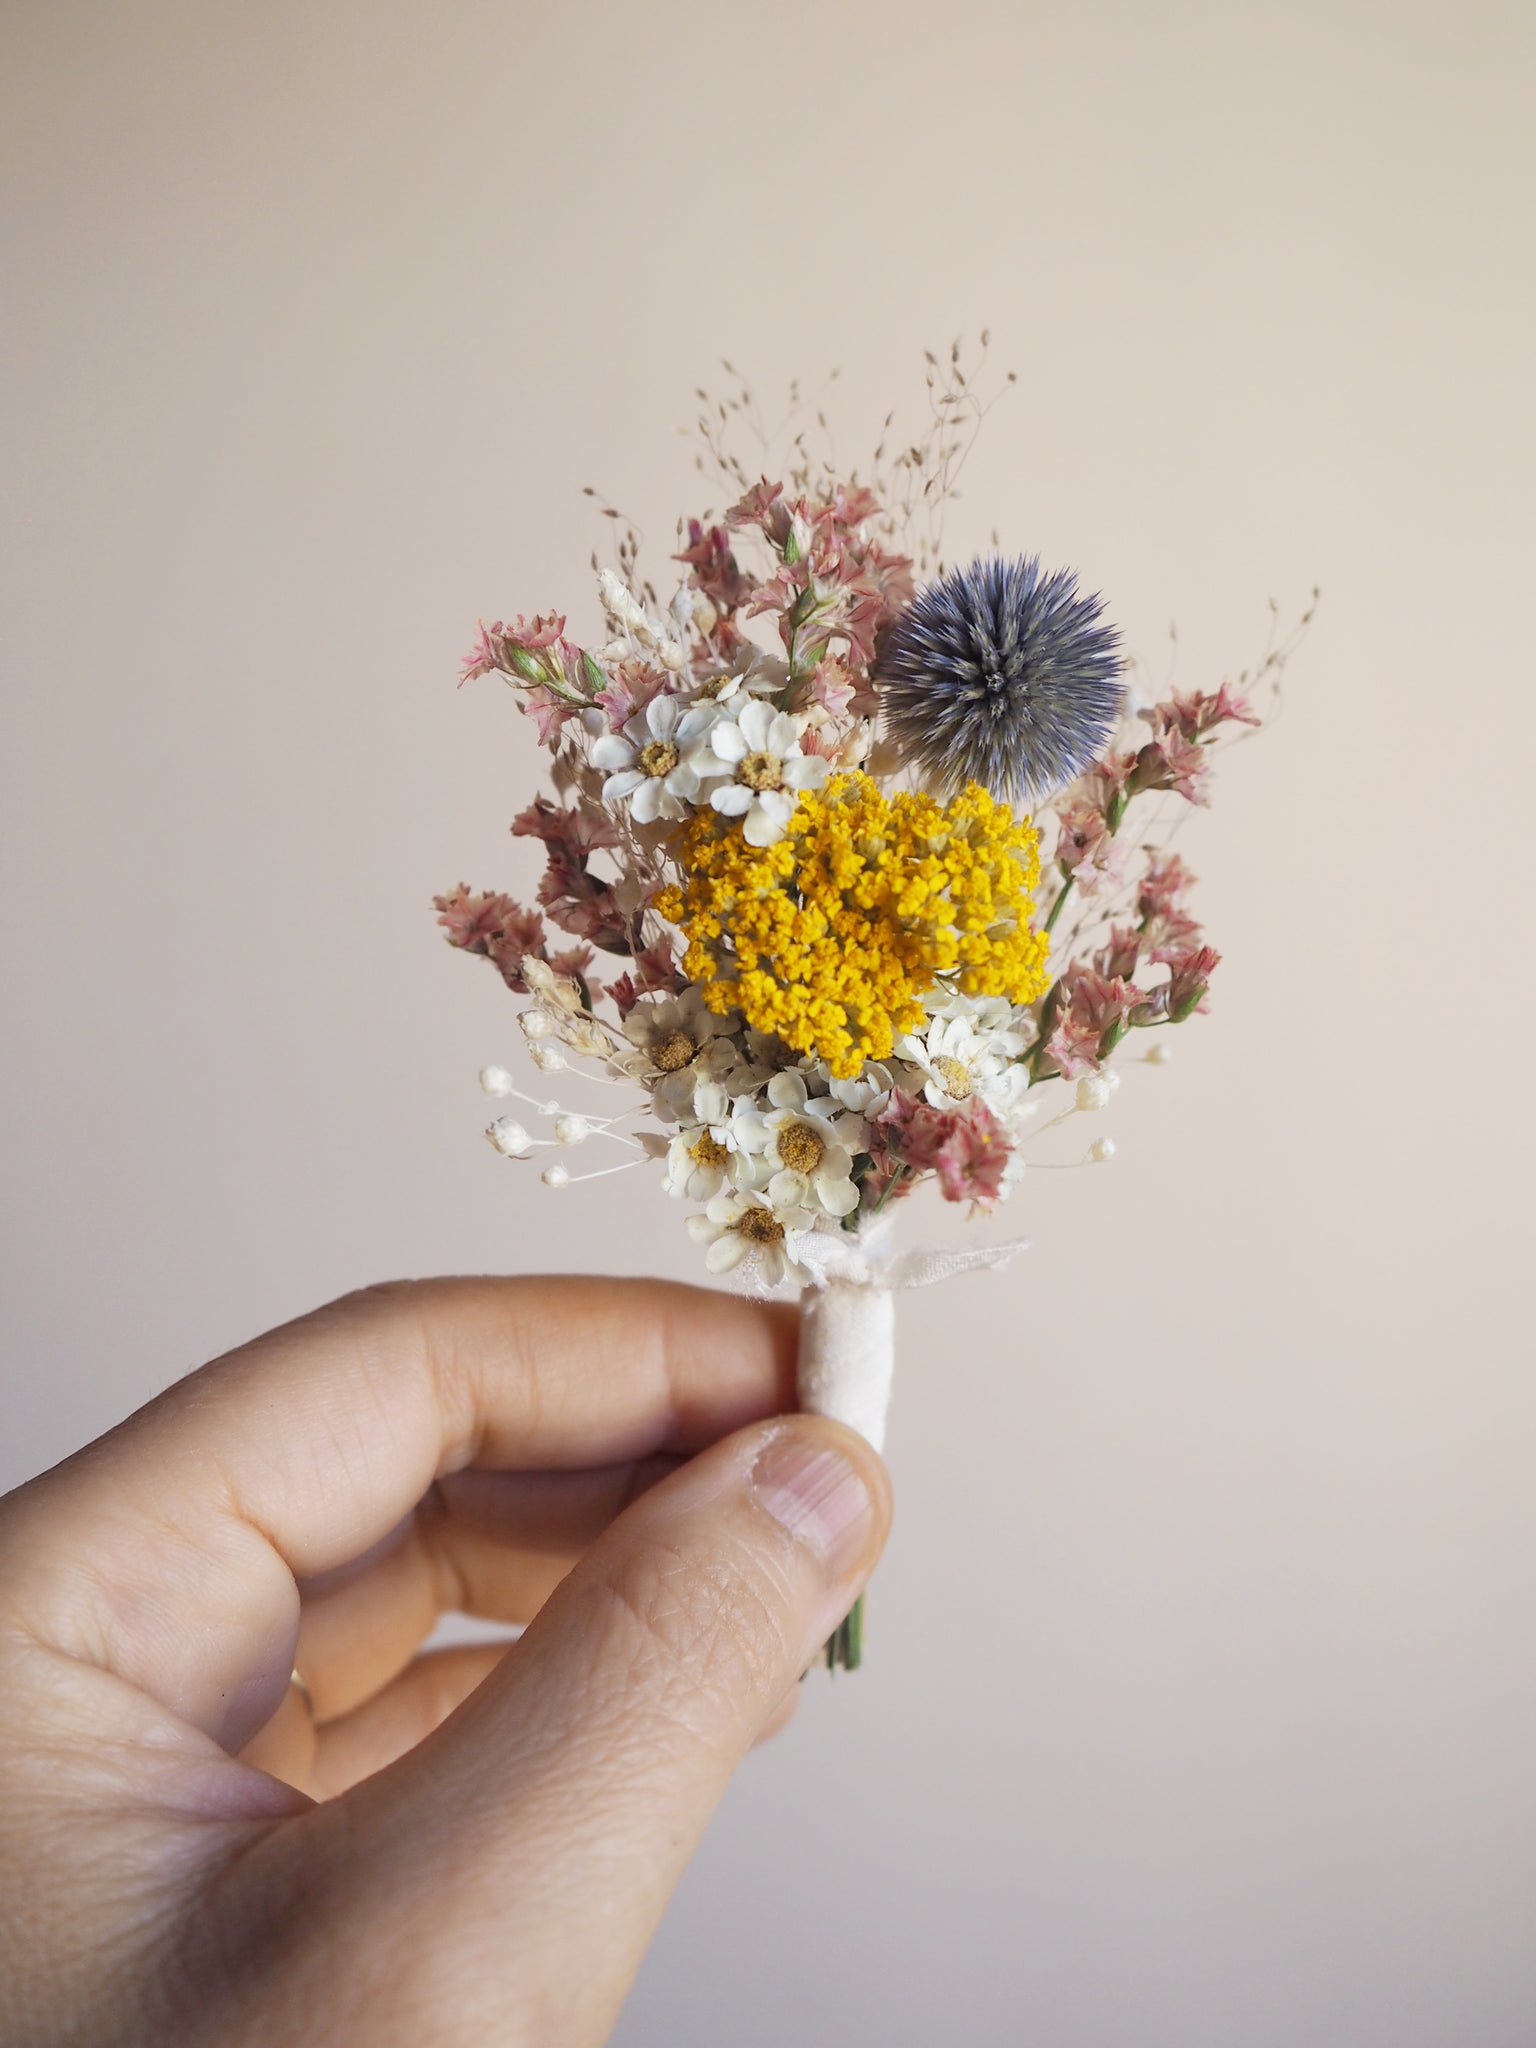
x=848 y=1317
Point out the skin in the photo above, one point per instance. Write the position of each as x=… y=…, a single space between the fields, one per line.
x=452 y=1847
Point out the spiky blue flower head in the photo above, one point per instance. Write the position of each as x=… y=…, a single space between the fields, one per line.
x=1003 y=675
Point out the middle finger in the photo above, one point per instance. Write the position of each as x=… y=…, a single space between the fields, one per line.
x=489 y=1544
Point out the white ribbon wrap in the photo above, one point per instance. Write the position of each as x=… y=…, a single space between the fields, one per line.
x=848 y=1318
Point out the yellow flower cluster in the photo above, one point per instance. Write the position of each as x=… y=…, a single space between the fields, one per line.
x=830 y=937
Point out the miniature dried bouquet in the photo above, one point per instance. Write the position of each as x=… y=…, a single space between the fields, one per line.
x=852 y=860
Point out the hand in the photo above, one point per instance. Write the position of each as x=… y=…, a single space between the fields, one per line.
x=468 y=1845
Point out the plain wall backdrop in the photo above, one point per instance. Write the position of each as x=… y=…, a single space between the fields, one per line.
x=1202 y=1667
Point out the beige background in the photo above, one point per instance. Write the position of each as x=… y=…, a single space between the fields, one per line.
x=1202 y=1673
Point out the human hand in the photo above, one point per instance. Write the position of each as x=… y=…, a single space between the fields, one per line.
x=467 y=1845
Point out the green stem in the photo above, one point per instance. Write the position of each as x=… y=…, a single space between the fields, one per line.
x=845 y=1650
x=885 y=1192
x=1061 y=896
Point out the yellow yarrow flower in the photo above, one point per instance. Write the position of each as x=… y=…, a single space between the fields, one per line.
x=830 y=937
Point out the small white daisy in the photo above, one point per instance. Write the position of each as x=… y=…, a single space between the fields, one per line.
x=707 y=1152
x=735 y=1225
x=697 y=1164
x=759 y=749
x=806 y=1143
x=969 y=1046
x=654 y=762
x=866 y=1094
x=682 y=1043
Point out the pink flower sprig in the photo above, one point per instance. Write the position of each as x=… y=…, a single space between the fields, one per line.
x=720 y=580
x=831 y=580
x=577 y=900
x=500 y=929
x=964 y=1146
x=571 y=896
x=557 y=679
x=1095 y=1000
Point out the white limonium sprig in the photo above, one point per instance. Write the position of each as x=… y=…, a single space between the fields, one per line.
x=639 y=631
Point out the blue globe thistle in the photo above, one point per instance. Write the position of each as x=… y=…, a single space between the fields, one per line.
x=1001 y=675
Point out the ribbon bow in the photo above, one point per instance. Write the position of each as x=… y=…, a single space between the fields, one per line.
x=827 y=1258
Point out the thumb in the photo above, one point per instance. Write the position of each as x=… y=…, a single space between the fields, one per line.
x=543 y=1828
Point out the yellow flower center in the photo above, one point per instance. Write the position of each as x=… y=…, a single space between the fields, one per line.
x=674 y=1052
x=760 y=771
x=659 y=758
x=759 y=1225
x=801 y=1149
x=715 y=685
x=956 y=1079
x=707 y=1150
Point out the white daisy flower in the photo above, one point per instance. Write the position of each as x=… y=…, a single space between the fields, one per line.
x=866 y=1094
x=969 y=1046
x=671 y=1030
x=744 y=1222
x=757 y=675
x=681 y=1042
x=760 y=751
x=697 y=1164
x=806 y=1144
x=654 y=761
x=708 y=1151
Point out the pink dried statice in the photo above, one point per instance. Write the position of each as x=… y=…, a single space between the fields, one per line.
x=548 y=710
x=1174 y=763
x=656 y=969
x=623 y=994
x=832 y=580
x=1086 y=848
x=555 y=678
x=1167 y=929
x=853 y=505
x=1196 y=713
x=717 y=575
x=1091 y=1015
x=1119 y=957
x=765 y=507
x=655 y=972
x=500 y=647
x=1185 y=990
x=974 y=1156
x=1105 y=787
x=964 y=1145
x=584 y=905
x=573 y=962
x=840 y=692
x=577 y=829
x=1165 y=881
x=580 y=902
x=631 y=686
x=1188 y=980
x=1177 y=756
x=496 y=926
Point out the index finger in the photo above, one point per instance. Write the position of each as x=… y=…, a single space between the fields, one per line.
x=167 y=1552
